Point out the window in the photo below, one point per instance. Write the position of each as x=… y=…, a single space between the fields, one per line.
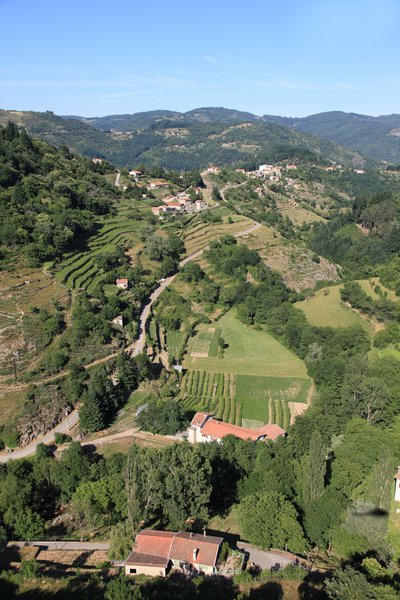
x=133 y=571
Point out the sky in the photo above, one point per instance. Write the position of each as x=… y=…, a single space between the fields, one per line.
x=290 y=58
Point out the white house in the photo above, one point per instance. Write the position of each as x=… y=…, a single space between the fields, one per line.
x=397 y=489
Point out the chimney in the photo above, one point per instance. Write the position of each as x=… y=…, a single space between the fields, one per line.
x=195 y=553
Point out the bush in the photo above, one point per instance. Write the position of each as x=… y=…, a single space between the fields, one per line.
x=29 y=569
x=62 y=438
x=244 y=577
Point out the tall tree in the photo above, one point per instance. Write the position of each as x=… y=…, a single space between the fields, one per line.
x=314 y=469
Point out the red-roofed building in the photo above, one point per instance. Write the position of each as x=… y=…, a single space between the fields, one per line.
x=204 y=428
x=122 y=283
x=156 y=552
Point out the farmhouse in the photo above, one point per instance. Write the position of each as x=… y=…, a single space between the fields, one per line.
x=122 y=283
x=134 y=173
x=156 y=552
x=213 y=170
x=97 y=161
x=204 y=428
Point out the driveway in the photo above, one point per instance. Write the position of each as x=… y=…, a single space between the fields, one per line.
x=266 y=559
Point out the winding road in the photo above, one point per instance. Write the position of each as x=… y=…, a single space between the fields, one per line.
x=134 y=349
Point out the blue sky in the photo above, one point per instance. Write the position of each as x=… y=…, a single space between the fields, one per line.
x=292 y=58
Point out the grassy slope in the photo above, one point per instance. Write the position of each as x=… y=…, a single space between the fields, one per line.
x=325 y=309
x=250 y=352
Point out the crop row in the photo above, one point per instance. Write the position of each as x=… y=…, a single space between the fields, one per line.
x=203 y=390
x=279 y=413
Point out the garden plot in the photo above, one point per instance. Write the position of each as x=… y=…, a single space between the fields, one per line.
x=206 y=343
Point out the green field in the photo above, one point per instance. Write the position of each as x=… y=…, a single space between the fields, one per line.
x=248 y=352
x=205 y=343
x=266 y=398
x=176 y=341
x=254 y=379
x=326 y=309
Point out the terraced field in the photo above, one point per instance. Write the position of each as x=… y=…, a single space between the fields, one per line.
x=200 y=234
x=297 y=213
x=78 y=270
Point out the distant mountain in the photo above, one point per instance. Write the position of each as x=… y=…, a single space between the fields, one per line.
x=183 y=140
x=375 y=137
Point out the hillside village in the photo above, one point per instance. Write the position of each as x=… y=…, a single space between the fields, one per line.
x=179 y=357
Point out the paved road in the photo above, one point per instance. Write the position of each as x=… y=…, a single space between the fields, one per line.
x=266 y=559
x=135 y=348
x=63 y=427
x=62 y=545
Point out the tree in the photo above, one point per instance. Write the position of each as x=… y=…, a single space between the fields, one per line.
x=143 y=485
x=120 y=541
x=28 y=525
x=349 y=584
x=120 y=588
x=187 y=487
x=73 y=468
x=314 y=469
x=269 y=520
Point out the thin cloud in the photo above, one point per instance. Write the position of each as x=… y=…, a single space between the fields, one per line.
x=211 y=59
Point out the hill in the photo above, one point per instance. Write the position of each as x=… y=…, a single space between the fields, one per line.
x=375 y=137
x=182 y=140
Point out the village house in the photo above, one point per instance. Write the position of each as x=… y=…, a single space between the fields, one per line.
x=122 y=283
x=155 y=553
x=134 y=173
x=291 y=167
x=204 y=428
x=97 y=161
x=359 y=171
x=153 y=185
x=119 y=320
x=174 y=206
x=213 y=170
x=158 y=211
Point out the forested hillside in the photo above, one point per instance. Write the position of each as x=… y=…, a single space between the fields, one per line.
x=375 y=137
x=183 y=141
x=48 y=196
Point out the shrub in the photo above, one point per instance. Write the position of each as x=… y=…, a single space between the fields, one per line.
x=29 y=569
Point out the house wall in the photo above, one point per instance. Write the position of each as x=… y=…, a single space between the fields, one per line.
x=145 y=570
x=397 y=490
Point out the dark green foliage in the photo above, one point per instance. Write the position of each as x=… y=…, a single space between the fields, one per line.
x=43 y=211
x=165 y=417
x=100 y=403
x=268 y=520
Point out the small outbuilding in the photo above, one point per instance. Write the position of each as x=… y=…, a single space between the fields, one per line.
x=122 y=283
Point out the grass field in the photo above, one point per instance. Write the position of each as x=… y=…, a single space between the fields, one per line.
x=249 y=352
x=326 y=309
x=176 y=341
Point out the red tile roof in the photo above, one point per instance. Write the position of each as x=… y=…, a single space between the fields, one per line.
x=154 y=543
x=272 y=431
x=122 y=280
x=199 y=418
x=218 y=429
x=157 y=548
x=196 y=548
